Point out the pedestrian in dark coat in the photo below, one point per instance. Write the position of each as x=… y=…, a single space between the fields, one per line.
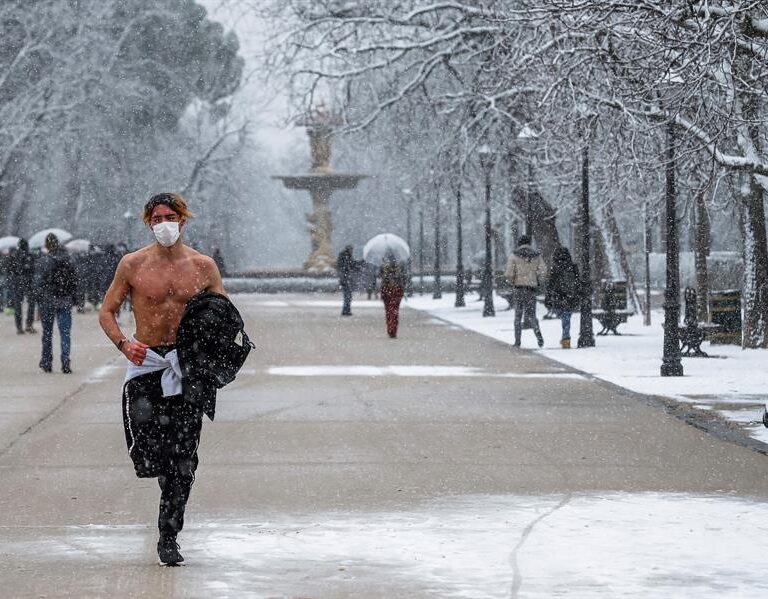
x=370 y=276
x=56 y=284
x=345 y=266
x=21 y=271
x=393 y=282
x=562 y=295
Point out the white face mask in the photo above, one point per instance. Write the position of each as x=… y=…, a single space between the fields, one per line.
x=166 y=233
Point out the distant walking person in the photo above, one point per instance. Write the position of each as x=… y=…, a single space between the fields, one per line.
x=21 y=275
x=56 y=285
x=525 y=272
x=345 y=266
x=562 y=295
x=393 y=283
x=370 y=276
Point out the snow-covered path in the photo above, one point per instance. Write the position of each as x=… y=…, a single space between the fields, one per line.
x=733 y=382
x=343 y=463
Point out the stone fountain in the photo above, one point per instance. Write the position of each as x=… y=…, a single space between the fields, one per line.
x=321 y=182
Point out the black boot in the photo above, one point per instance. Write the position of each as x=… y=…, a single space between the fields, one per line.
x=168 y=551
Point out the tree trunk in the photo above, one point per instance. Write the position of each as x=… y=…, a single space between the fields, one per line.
x=755 y=269
x=703 y=241
x=543 y=215
x=612 y=240
x=755 y=327
x=73 y=187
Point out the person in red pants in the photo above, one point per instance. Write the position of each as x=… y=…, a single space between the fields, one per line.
x=393 y=281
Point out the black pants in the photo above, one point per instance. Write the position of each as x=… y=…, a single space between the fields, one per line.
x=525 y=312
x=346 y=291
x=162 y=434
x=18 y=307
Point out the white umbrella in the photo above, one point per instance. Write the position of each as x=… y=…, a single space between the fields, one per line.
x=381 y=246
x=37 y=240
x=8 y=243
x=77 y=246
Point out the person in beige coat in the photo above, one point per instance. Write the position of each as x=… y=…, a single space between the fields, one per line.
x=525 y=272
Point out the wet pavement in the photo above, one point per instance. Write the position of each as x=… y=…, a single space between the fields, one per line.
x=343 y=463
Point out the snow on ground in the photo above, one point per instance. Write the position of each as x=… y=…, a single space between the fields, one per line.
x=407 y=370
x=608 y=546
x=733 y=382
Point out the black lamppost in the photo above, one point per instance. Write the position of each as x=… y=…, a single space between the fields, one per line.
x=586 y=333
x=487 y=162
x=459 y=303
x=527 y=137
x=528 y=211
x=408 y=194
x=421 y=251
x=128 y=218
x=647 y=243
x=671 y=364
x=437 y=291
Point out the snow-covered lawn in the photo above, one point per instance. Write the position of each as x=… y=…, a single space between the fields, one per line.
x=733 y=382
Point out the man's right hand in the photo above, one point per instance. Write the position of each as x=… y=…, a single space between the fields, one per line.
x=135 y=351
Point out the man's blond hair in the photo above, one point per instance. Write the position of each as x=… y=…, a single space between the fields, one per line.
x=174 y=201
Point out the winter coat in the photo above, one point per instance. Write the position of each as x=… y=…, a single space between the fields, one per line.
x=56 y=279
x=563 y=290
x=525 y=268
x=345 y=265
x=21 y=269
x=212 y=347
x=393 y=276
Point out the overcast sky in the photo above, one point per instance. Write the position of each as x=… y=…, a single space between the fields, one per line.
x=265 y=108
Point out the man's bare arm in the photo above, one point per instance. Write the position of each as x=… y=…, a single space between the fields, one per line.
x=215 y=283
x=135 y=351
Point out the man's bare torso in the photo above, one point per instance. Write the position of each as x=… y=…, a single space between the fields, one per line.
x=160 y=288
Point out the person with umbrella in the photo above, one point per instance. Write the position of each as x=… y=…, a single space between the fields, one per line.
x=21 y=272
x=392 y=253
x=393 y=282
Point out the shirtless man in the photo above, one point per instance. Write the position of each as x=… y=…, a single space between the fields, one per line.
x=162 y=430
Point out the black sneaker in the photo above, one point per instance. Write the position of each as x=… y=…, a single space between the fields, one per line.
x=46 y=367
x=168 y=552
x=66 y=369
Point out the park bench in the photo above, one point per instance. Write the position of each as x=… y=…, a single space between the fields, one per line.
x=613 y=309
x=725 y=310
x=693 y=333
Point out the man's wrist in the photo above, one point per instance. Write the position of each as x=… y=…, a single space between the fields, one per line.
x=121 y=343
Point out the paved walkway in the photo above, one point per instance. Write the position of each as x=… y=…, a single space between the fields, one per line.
x=346 y=464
